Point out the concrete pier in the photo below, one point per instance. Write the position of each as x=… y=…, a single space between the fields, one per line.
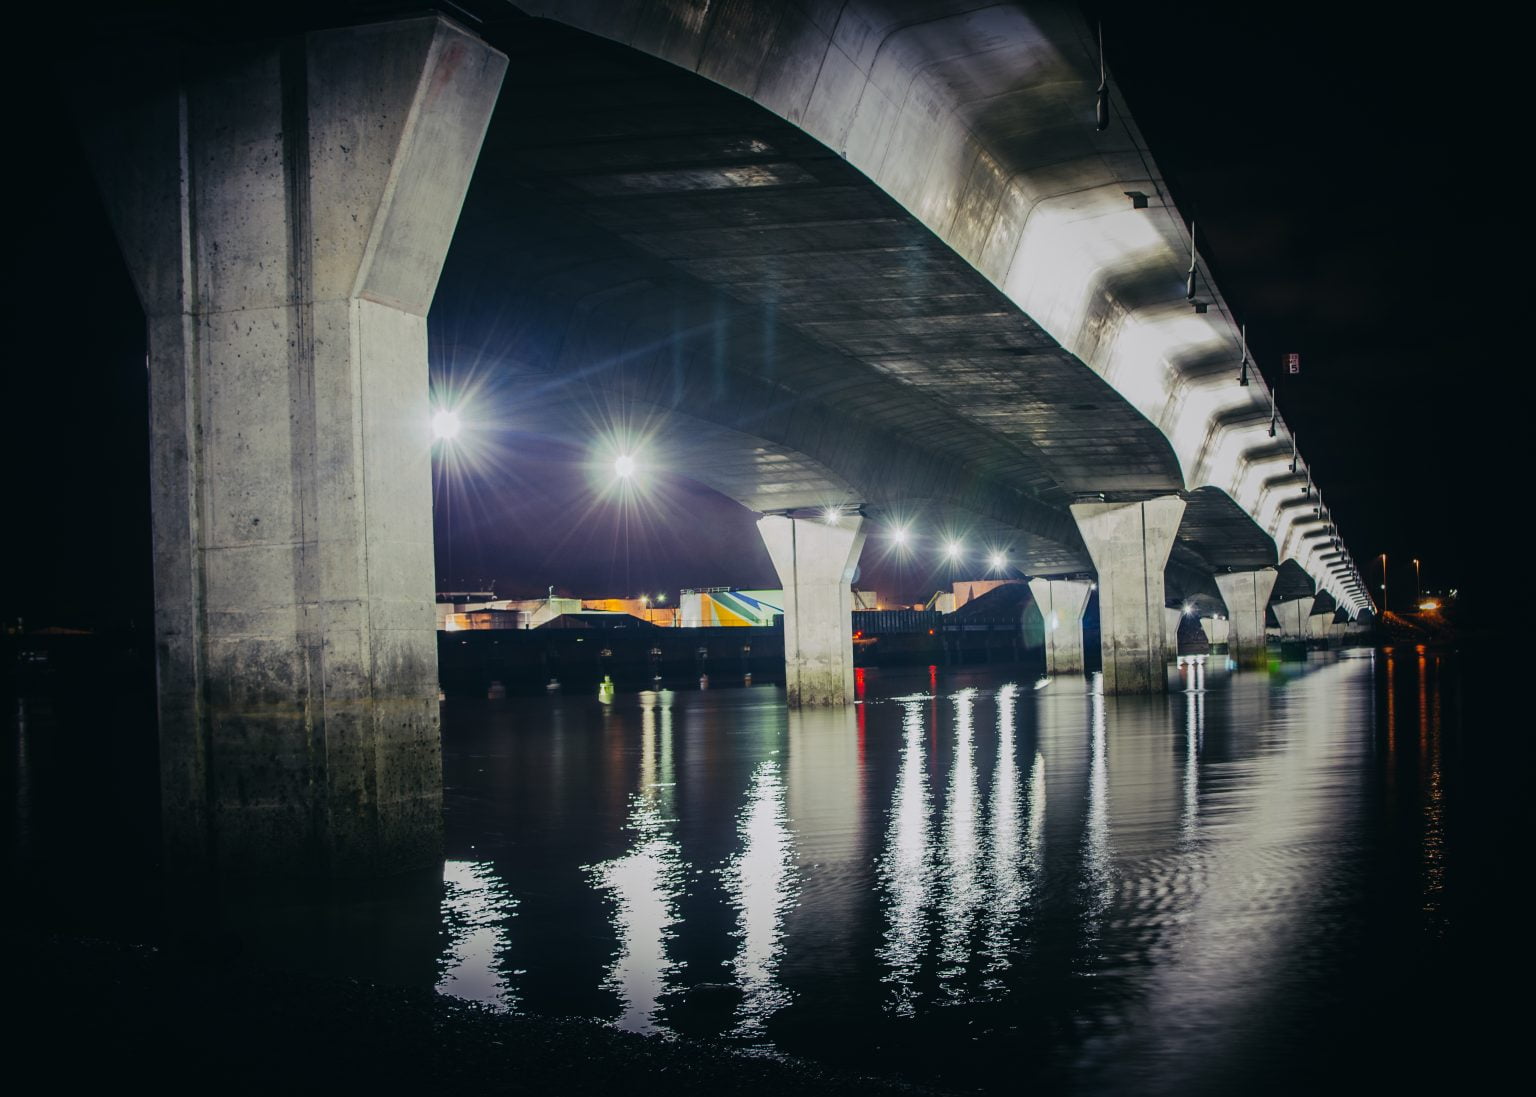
x=1129 y=544
x=816 y=561
x=1246 y=594
x=1293 y=616
x=284 y=210
x=1061 y=603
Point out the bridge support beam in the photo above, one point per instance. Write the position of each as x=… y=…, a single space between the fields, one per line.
x=816 y=562
x=284 y=211
x=1246 y=594
x=1129 y=544
x=1173 y=617
x=1061 y=603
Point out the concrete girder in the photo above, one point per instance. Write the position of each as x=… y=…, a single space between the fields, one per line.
x=977 y=122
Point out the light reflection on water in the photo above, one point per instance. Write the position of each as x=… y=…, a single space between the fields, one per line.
x=1190 y=882
x=906 y=868
x=968 y=877
x=962 y=891
x=476 y=909
x=646 y=883
x=761 y=884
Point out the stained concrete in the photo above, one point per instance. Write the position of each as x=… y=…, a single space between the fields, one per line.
x=1061 y=603
x=1293 y=616
x=1246 y=594
x=816 y=561
x=1130 y=543
x=284 y=209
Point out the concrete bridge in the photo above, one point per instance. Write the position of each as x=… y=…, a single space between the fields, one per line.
x=873 y=256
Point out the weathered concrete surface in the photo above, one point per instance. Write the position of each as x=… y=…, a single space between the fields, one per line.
x=1217 y=630
x=1320 y=626
x=1246 y=594
x=1129 y=543
x=1293 y=616
x=284 y=210
x=815 y=561
x=1172 y=618
x=1061 y=603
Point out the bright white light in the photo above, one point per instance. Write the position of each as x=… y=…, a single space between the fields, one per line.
x=830 y=515
x=899 y=535
x=998 y=560
x=952 y=550
x=1188 y=609
x=445 y=424
x=624 y=466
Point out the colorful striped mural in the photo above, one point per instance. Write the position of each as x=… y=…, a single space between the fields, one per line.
x=705 y=608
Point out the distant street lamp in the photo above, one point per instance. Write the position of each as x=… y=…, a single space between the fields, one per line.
x=1418 y=591
x=1383 y=582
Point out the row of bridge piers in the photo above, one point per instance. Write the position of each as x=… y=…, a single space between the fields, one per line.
x=1129 y=543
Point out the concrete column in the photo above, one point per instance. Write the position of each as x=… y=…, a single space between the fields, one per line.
x=284 y=210
x=1129 y=544
x=1216 y=630
x=1293 y=616
x=1246 y=594
x=1172 y=618
x=815 y=562
x=1319 y=625
x=1061 y=603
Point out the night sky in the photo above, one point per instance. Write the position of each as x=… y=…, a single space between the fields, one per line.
x=1356 y=194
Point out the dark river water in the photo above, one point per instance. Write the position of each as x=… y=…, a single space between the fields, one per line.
x=971 y=878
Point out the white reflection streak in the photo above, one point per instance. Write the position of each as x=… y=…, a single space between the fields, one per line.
x=1096 y=837
x=963 y=893
x=645 y=884
x=1009 y=885
x=1194 y=732
x=476 y=905
x=762 y=888
x=906 y=868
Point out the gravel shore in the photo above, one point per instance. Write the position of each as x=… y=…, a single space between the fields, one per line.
x=89 y=1013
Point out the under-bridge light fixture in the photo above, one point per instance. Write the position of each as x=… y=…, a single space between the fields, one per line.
x=900 y=536
x=1138 y=199
x=446 y=425
x=624 y=466
x=998 y=561
x=830 y=515
x=952 y=550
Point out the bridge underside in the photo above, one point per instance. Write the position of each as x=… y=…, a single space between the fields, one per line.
x=647 y=253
